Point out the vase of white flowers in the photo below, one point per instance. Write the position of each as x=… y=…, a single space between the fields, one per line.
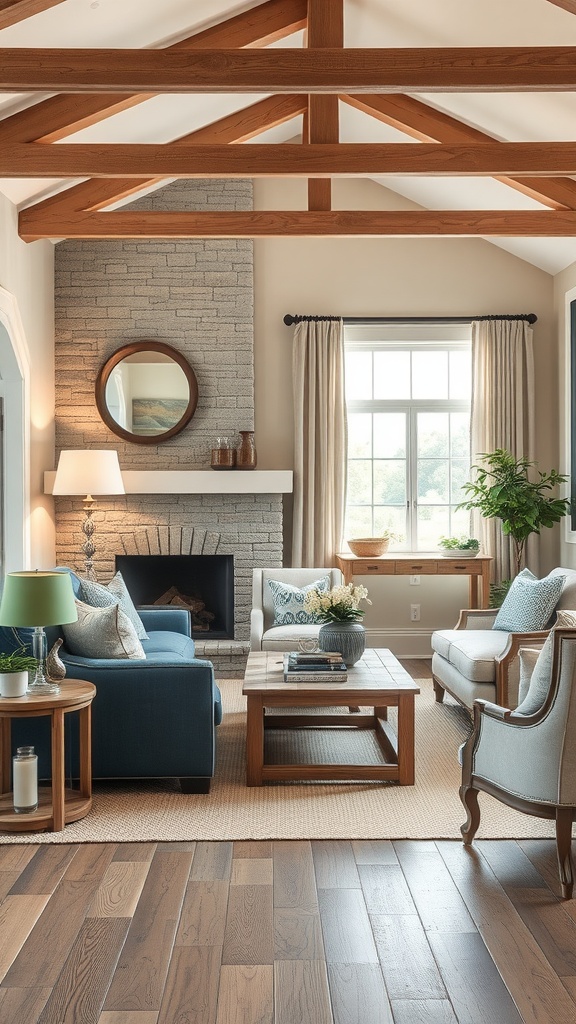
x=338 y=610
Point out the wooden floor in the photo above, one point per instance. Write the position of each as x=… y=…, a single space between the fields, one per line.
x=285 y=932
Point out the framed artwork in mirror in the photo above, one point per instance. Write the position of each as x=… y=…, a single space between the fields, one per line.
x=146 y=392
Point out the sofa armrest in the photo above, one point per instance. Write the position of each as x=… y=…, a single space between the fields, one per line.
x=256 y=629
x=173 y=620
x=477 y=618
x=509 y=655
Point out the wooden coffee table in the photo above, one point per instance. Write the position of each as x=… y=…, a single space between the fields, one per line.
x=377 y=680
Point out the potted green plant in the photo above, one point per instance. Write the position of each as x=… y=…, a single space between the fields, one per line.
x=462 y=547
x=518 y=494
x=14 y=668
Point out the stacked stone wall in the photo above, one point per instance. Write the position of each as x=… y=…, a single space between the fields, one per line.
x=193 y=294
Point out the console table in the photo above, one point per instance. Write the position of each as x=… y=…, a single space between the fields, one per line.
x=477 y=569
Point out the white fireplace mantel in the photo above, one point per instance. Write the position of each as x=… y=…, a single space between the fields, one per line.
x=203 y=481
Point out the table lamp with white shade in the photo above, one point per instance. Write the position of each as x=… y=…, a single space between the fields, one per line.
x=39 y=599
x=89 y=472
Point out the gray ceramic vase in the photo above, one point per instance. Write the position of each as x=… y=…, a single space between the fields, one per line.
x=349 y=638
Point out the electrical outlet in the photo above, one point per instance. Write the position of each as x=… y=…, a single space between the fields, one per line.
x=414 y=581
x=414 y=613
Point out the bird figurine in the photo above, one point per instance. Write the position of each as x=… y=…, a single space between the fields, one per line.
x=55 y=666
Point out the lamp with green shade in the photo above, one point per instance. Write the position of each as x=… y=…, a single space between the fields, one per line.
x=38 y=599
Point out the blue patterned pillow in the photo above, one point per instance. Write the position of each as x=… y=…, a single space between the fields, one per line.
x=116 y=592
x=289 y=602
x=529 y=603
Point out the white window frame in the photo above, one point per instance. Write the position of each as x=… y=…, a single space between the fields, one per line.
x=426 y=336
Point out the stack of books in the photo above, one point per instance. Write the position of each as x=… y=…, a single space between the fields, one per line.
x=322 y=666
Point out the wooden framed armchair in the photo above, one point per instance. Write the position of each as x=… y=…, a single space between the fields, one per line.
x=528 y=760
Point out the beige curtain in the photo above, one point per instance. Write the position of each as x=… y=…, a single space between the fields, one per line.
x=320 y=442
x=502 y=417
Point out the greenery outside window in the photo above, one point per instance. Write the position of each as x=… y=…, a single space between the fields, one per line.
x=408 y=390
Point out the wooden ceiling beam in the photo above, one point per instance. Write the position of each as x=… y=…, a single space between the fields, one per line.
x=13 y=11
x=325 y=28
x=59 y=116
x=234 y=128
x=301 y=223
x=428 y=69
x=566 y=5
x=348 y=160
x=425 y=123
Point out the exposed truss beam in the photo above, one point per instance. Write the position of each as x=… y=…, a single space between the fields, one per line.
x=432 y=69
x=324 y=161
x=55 y=118
x=425 y=123
x=310 y=224
x=234 y=128
x=325 y=28
x=13 y=11
x=567 y=5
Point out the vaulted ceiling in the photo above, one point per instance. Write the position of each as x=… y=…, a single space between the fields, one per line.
x=468 y=110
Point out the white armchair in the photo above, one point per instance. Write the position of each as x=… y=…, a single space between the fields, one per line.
x=528 y=761
x=264 y=635
x=474 y=661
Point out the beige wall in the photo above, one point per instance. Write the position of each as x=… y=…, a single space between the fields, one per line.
x=387 y=277
x=564 y=292
x=27 y=272
x=351 y=277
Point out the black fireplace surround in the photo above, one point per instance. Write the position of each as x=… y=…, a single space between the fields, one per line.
x=209 y=578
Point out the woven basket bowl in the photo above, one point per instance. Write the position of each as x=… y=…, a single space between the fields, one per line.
x=369 y=547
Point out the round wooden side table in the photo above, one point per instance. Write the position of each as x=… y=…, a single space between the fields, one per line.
x=56 y=805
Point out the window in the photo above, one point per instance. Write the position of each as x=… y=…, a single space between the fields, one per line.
x=408 y=392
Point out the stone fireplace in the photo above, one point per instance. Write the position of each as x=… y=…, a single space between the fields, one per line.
x=196 y=295
x=201 y=584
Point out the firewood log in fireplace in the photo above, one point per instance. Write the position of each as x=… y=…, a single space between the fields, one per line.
x=201 y=617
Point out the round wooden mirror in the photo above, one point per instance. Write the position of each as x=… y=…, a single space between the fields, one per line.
x=146 y=392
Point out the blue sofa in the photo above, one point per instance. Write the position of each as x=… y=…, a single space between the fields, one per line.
x=150 y=719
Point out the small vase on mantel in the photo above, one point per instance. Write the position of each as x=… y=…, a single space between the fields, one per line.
x=348 y=638
x=246 y=451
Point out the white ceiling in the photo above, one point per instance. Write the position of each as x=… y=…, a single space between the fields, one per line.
x=402 y=23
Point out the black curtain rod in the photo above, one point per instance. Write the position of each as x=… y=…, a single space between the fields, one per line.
x=297 y=318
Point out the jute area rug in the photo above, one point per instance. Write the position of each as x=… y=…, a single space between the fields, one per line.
x=431 y=809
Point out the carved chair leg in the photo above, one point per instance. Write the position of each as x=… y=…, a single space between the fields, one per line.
x=564 y=817
x=439 y=690
x=469 y=798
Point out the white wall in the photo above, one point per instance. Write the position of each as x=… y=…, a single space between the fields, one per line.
x=27 y=272
x=388 y=277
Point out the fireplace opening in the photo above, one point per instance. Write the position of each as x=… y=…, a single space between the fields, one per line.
x=202 y=583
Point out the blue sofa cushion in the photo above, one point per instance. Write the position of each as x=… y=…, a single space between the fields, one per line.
x=529 y=603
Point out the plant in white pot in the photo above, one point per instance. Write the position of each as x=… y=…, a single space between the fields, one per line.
x=459 y=547
x=14 y=669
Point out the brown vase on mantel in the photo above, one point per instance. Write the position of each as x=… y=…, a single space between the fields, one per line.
x=246 y=451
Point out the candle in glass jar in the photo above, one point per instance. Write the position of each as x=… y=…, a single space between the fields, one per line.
x=25 y=780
